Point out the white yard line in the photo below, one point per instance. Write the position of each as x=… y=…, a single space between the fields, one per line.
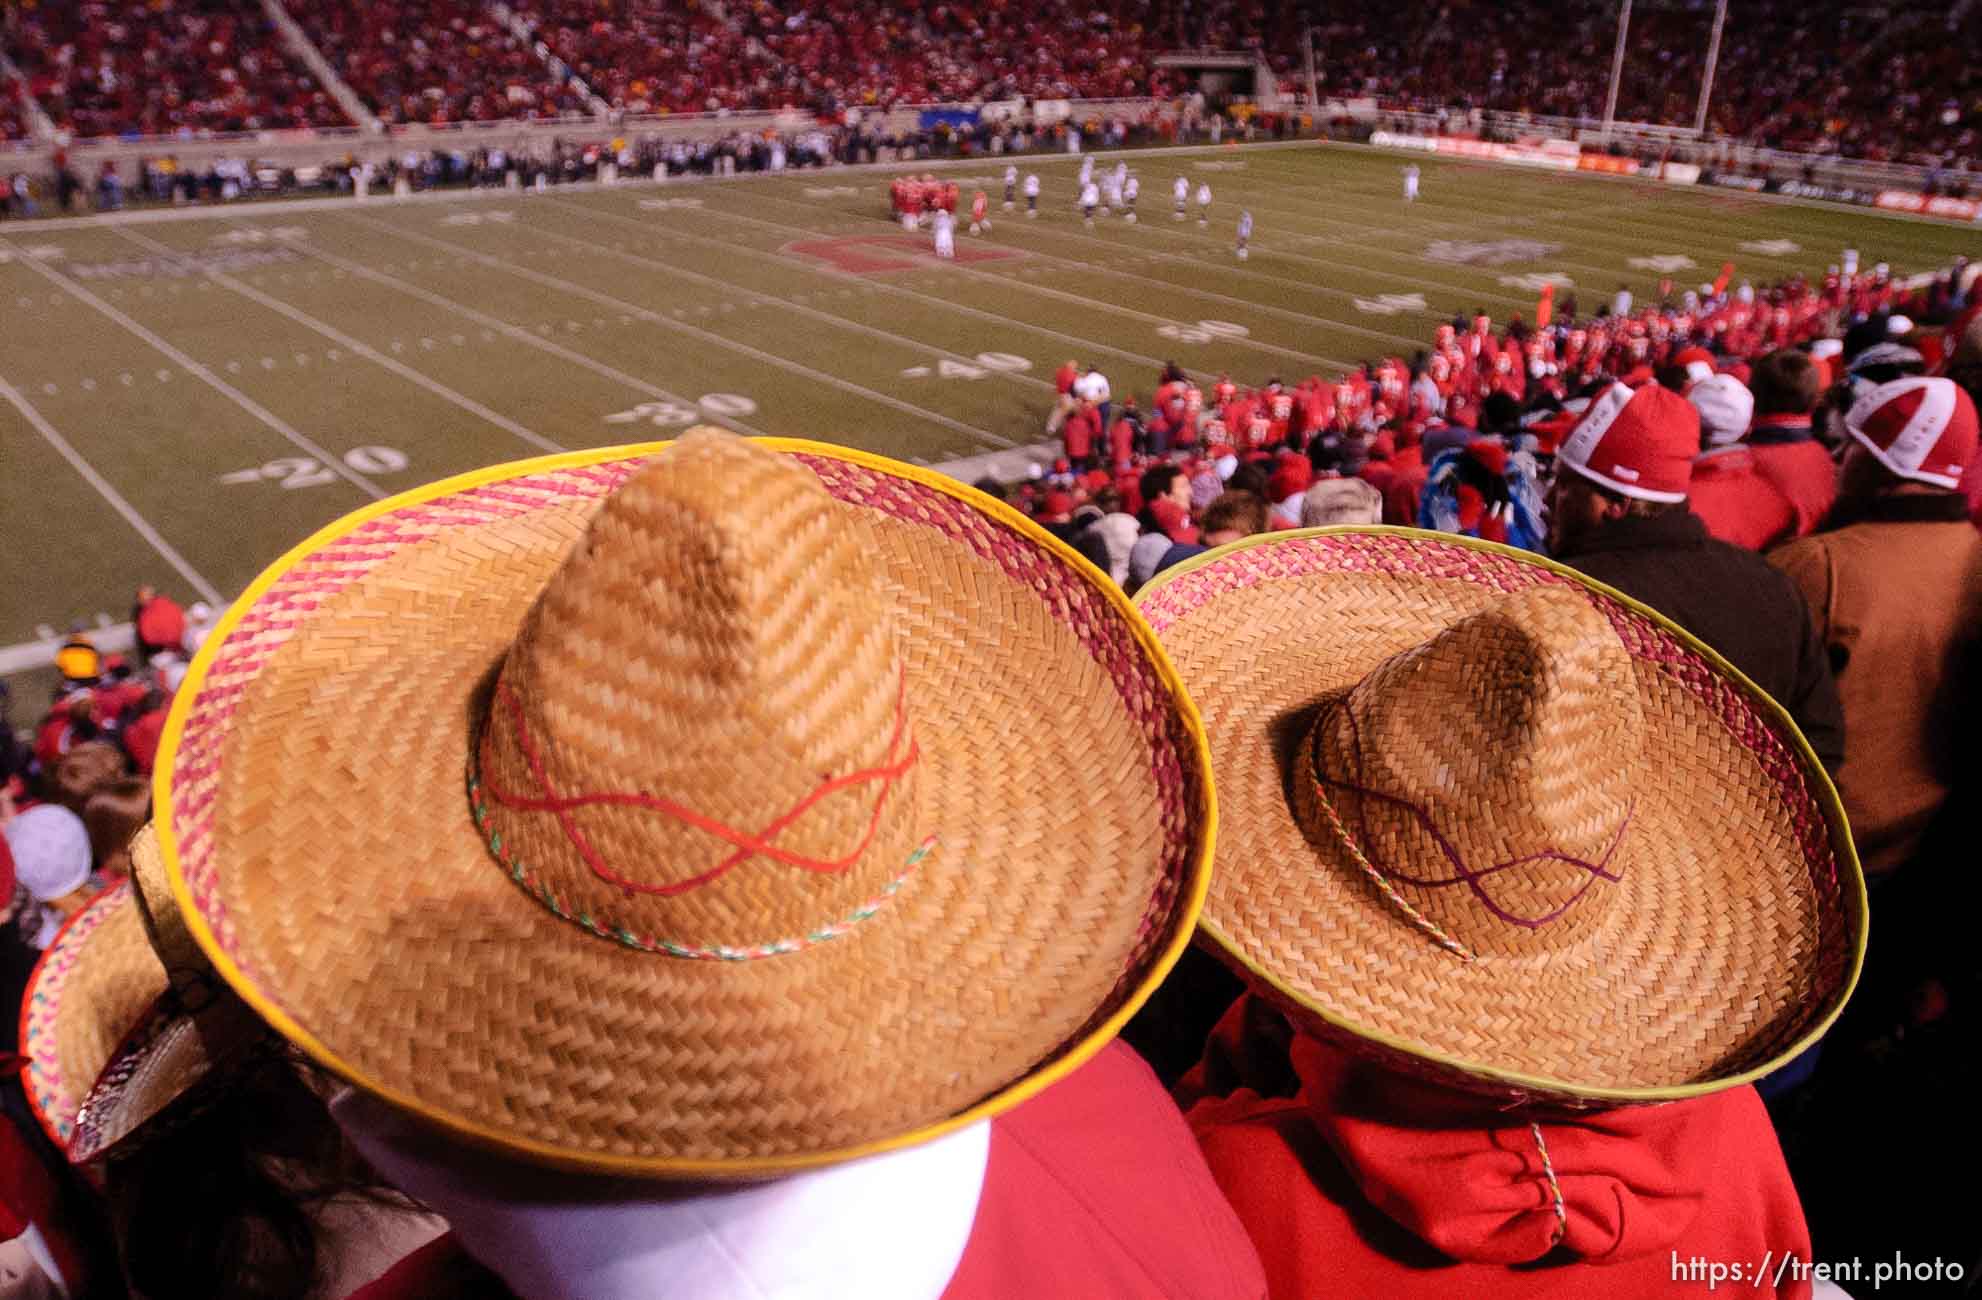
x=139 y=524
x=357 y=347
x=714 y=340
x=335 y=464
x=755 y=296
x=875 y=282
x=516 y=332
x=1086 y=304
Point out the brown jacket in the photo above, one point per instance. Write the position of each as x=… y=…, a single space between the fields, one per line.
x=1896 y=593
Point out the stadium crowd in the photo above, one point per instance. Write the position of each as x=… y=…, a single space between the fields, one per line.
x=113 y=67
x=435 y=61
x=1829 y=78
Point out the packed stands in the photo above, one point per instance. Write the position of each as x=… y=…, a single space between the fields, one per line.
x=647 y=56
x=1822 y=78
x=118 y=67
x=434 y=61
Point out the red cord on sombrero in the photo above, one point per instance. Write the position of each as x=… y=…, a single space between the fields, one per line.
x=748 y=845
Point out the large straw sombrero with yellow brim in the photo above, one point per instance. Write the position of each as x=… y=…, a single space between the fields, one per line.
x=1502 y=827
x=721 y=807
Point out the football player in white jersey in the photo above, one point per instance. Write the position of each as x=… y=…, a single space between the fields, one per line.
x=1410 y=182
x=1031 y=195
x=946 y=234
x=1130 y=188
x=1245 y=233
x=1090 y=194
x=1011 y=185
x=1204 y=203
x=1182 y=191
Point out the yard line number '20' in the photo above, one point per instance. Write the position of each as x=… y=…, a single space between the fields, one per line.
x=670 y=414
x=308 y=471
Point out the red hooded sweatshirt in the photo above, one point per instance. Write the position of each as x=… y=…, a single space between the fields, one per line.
x=1367 y=1183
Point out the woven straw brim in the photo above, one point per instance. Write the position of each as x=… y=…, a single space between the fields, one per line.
x=1735 y=933
x=313 y=815
x=93 y=984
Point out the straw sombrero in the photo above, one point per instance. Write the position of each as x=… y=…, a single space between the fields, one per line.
x=1504 y=827
x=709 y=808
x=123 y=1018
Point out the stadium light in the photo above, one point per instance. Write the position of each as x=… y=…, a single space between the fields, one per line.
x=1616 y=68
x=1713 y=59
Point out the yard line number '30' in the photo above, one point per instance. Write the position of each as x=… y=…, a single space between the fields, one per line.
x=307 y=471
x=672 y=414
x=1205 y=331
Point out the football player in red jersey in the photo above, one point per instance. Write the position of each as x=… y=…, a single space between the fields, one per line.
x=980 y=213
x=1224 y=390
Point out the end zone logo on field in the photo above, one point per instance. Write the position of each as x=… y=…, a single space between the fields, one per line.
x=1489 y=252
x=878 y=254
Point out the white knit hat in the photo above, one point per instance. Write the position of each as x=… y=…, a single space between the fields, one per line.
x=51 y=851
x=1726 y=409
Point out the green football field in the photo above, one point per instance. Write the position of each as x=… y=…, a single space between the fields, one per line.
x=185 y=394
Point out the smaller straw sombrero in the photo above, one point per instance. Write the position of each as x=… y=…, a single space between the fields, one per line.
x=721 y=807
x=123 y=1017
x=1502 y=826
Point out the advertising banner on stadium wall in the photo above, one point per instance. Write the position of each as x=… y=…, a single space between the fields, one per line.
x=1831 y=193
x=1393 y=140
x=1937 y=205
x=1729 y=181
x=1603 y=162
x=1680 y=173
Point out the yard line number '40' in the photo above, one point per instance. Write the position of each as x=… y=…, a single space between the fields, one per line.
x=307 y=471
x=987 y=363
x=670 y=414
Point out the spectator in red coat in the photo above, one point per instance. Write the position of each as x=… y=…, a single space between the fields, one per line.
x=1735 y=502
x=159 y=623
x=1787 y=388
x=1081 y=435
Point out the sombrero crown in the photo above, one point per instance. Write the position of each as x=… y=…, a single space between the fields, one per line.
x=700 y=741
x=1484 y=778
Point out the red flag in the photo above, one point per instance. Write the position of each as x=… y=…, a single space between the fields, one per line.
x=1545 y=309
x=1726 y=274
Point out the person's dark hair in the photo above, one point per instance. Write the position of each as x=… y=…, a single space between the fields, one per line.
x=1251 y=477
x=1673 y=379
x=1108 y=501
x=1155 y=481
x=991 y=487
x=1785 y=383
x=1500 y=413
x=112 y=816
x=1240 y=509
x=222 y=1201
x=85 y=769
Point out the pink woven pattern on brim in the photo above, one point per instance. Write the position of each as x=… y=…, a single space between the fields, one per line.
x=286 y=605
x=54 y=1098
x=1426 y=556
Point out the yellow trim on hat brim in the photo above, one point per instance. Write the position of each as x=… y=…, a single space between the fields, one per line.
x=1822 y=787
x=1191 y=896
